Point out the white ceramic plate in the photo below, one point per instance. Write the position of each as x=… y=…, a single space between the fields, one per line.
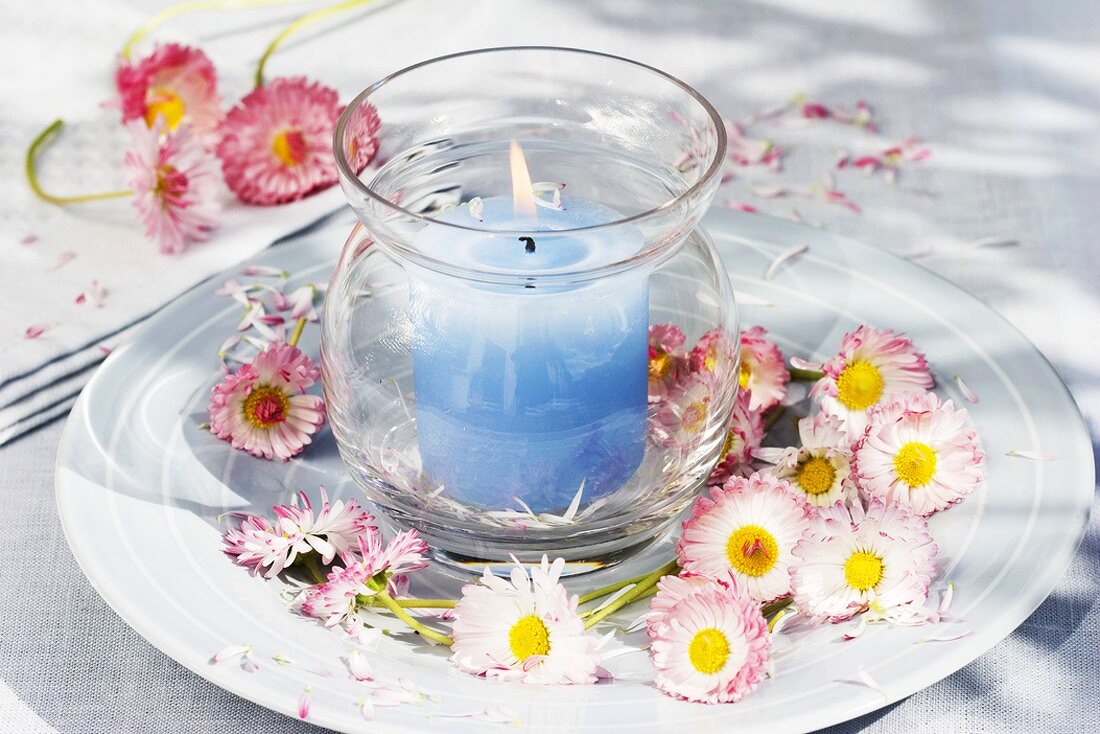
x=139 y=488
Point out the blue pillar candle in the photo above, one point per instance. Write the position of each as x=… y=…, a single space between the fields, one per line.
x=528 y=391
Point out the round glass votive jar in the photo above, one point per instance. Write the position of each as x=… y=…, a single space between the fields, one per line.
x=527 y=367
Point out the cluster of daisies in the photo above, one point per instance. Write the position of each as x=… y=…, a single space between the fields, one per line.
x=262 y=406
x=828 y=530
x=272 y=147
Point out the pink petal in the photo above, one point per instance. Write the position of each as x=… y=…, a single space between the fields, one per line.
x=63 y=259
x=35 y=330
x=29 y=239
x=303 y=704
x=262 y=271
x=1034 y=456
x=967 y=393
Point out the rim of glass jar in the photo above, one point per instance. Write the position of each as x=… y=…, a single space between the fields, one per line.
x=713 y=168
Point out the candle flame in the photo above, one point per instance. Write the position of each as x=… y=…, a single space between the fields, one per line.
x=523 y=193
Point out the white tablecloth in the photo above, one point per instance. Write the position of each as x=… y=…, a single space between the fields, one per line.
x=1006 y=94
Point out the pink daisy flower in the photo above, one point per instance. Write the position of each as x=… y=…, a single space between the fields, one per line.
x=671 y=589
x=668 y=365
x=377 y=567
x=763 y=371
x=275 y=145
x=682 y=416
x=714 y=350
x=743 y=439
x=852 y=560
x=174 y=184
x=872 y=365
x=261 y=546
x=919 y=452
x=747 y=527
x=711 y=646
x=175 y=82
x=262 y=407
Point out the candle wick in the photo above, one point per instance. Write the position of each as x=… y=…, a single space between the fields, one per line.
x=530 y=246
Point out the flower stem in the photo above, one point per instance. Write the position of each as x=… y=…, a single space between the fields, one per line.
x=773 y=417
x=297 y=25
x=313 y=565
x=648 y=582
x=32 y=176
x=183 y=8
x=297 y=333
x=772 y=607
x=400 y=613
x=425 y=603
x=805 y=375
x=610 y=588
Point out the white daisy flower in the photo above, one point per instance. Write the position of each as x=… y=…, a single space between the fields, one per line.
x=711 y=646
x=851 y=561
x=820 y=468
x=872 y=365
x=919 y=452
x=525 y=629
x=748 y=526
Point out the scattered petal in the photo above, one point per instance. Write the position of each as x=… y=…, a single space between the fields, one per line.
x=946 y=599
x=358 y=666
x=63 y=259
x=476 y=206
x=994 y=242
x=783 y=257
x=29 y=239
x=802 y=364
x=967 y=393
x=263 y=271
x=230 y=652
x=740 y=206
x=1034 y=456
x=945 y=638
x=492 y=715
x=35 y=330
x=748 y=299
x=303 y=703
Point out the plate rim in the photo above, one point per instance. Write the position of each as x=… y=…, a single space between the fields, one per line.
x=1018 y=613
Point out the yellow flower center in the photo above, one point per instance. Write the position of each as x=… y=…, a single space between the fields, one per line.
x=745 y=376
x=659 y=364
x=161 y=102
x=709 y=650
x=859 y=385
x=693 y=416
x=815 y=475
x=528 y=637
x=863 y=570
x=289 y=146
x=733 y=443
x=752 y=550
x=915 y=463
x=265 y=406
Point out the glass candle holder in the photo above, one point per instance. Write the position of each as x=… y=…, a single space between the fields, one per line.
x=518 y=367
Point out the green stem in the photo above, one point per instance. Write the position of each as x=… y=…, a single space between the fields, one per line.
x=648 y=582
x=610 y=588
x=772 y=607
x=32 y=176
x=183 y=8
x=297 y=333
x=425 y=603
x=773 y=417
x=400 y=613
x=297 y=25
x=805 y=375
x=312 y=562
